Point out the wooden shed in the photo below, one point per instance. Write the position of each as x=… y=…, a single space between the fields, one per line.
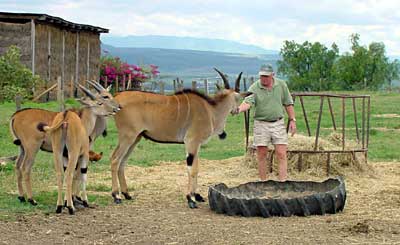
x=53 y=47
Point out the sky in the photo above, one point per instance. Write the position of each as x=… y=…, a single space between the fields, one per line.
x=264 y=23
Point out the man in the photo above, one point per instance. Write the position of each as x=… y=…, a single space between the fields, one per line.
x=271 y=98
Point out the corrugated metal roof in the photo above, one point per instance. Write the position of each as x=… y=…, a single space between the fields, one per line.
x=44 y=18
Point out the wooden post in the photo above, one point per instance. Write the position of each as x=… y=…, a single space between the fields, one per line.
x=77 y=58
x=162 y=87
x=180 y=85
x=194 y=85
x=116 y=85
x=129 y=81
x=244 y=84
x=33 y=47
x=123 y=82
x=48 y=60
x=88 y=61
x=18 y=100
x=71 y=88
x=206 y=86
x=63 y=59
x=174 y=85
x=60 y=94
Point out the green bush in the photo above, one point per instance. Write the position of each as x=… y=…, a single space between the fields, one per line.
x=15 y=78
x=8 y=92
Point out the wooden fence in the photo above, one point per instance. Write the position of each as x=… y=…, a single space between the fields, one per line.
x=207 y=86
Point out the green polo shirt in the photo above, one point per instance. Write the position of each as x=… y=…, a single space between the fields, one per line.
x=269 y=105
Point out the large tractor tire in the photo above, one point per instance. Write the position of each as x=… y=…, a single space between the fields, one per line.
x=273 y=198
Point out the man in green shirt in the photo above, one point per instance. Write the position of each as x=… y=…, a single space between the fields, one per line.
x=271 y=98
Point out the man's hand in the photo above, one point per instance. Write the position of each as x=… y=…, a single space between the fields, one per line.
x=292 y=127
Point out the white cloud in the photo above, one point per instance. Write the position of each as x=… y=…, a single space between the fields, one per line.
x=263 y=23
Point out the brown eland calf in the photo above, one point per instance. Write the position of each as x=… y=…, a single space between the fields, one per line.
x=188 y=117
x=23 y=129
x=70 y=145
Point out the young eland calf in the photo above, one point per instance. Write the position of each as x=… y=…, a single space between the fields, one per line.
x=187 y=117
x=70 y=145
x=23 y=129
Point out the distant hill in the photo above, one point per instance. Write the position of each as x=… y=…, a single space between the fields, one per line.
x=192 y=63
x=186 y=43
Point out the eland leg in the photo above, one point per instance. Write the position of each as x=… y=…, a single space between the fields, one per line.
x=121 y=170
x=23 y=169
x=125 y=146
x=69 y=175
x=76 y=184
x=193 y=169
x=58 y=165
x=83 y=162
x=18 y=171
x=26 y=173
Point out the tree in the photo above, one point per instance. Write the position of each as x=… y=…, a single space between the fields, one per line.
x=364 y=68
x=308 y=66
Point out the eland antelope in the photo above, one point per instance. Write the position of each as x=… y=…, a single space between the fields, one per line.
x=70 y=146
x=187 y=117
x=30 y=140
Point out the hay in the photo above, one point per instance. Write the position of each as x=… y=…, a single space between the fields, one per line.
x=315 y=164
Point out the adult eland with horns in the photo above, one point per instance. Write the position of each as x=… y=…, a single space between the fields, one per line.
x=187 y=117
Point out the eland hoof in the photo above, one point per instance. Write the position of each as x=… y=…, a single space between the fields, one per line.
x=59 y=209
x=32 y=202
x=127 y=196
x=85 y=203
x=21 y=198
x=198 y=198
x=71 y=210
x=117 y=200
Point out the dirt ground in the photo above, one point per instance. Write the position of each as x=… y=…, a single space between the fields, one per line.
x=159 y=213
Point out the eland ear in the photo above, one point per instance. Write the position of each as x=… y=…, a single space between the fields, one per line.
x=86 y=101
x=82 y=101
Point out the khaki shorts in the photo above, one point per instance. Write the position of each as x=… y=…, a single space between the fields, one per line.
x=270 y=133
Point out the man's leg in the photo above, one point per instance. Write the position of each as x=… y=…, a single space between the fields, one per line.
x=262 y=152
x=280 y=151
